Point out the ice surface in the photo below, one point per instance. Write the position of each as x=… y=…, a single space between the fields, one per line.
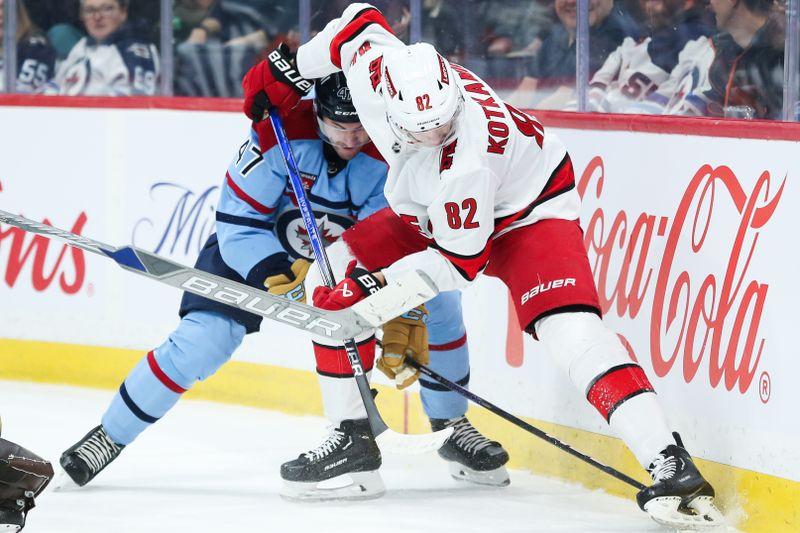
x=209 y=467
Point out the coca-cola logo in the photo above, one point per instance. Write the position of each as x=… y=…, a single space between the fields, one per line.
x=182 y=222
x=20 y=249
x=703 y=319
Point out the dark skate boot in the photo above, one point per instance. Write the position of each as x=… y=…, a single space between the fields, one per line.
x=344 y=467
x=472 y=456
x=679 y=497
x=12 y=516
x=89 y=456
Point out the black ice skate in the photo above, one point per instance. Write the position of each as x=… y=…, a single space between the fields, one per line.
x=344 y=467
x=679 y=497
x=472 y=456
x=90 y=455
x=12 y=516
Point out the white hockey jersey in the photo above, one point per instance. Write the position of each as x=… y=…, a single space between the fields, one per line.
x=499 y=172
x=683 y=92
x=122 y=65
x=638 y=68
x=628 y=75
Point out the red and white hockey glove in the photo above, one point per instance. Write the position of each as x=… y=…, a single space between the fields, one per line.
x=357 y=285
x=273 y=82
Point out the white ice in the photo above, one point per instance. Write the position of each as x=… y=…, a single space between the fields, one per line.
x=209 y=467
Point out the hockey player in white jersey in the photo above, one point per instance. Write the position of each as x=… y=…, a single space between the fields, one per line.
x=486 y=189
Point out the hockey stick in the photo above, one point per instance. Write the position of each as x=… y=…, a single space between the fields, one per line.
x=524 y=425
x=337 y=325
x=386 y=438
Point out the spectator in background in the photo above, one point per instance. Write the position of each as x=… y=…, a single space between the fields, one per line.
x=221 y=39
x=638 y=67
x=737 y=73
x=550 y=81
x=514 y=27
x=115 y=59
x=746 y=75
x=442 y=24
x=35 y=57
x=61 y=20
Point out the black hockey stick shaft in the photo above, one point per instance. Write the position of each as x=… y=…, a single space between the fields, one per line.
x=455 y=387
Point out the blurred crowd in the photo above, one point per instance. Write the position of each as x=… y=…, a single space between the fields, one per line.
x=683 y=57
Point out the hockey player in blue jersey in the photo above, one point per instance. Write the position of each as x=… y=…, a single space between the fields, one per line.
x=260 y=241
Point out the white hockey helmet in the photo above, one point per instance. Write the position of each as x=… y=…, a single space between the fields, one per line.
x=422 y=99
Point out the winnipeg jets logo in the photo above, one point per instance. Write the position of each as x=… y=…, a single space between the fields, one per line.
x=292 y=233
x=324 y=232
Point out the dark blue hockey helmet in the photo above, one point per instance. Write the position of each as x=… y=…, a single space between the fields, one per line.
x=333 y=99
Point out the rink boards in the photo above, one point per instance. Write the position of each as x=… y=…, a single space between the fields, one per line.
x=690 y=238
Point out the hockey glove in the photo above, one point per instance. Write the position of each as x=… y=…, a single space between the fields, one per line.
x=404 y=336
x=290 y=283
x=274 y=81
x=357 y=285
x=23 y=476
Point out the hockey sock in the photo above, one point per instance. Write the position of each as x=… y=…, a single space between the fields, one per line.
x=449 y=357
x=340 y=396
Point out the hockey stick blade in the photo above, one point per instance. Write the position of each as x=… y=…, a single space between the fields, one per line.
x=407 y=444
x=408 y=291
x=337 y=325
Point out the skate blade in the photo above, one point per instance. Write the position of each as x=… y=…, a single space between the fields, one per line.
x=9 y=528
x=493 y=478
x=357 y=486
x=62 y=482
x=698 y=514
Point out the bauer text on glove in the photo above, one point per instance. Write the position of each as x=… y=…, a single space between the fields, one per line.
x=273 y=82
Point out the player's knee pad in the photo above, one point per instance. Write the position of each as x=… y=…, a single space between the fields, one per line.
x=202 y=343
x=594 y=358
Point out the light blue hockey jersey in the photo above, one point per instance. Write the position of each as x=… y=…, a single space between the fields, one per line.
x=258 y=216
